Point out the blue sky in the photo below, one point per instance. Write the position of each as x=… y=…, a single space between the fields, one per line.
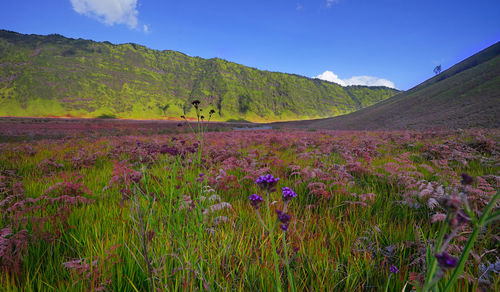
x=347 y=41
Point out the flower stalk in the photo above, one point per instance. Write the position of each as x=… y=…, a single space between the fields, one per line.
x=268 y=184
x=459 y=213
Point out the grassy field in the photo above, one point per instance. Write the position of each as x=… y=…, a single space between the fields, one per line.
x=172 y=211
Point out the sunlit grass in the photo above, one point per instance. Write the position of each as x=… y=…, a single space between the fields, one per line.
x=342 y=242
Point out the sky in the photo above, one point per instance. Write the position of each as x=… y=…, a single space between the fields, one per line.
x=396 y=43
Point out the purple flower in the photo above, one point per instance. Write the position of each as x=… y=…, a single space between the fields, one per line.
x=288 y=194
x=467 y=179
x=283 y=217
x=267 y=182
x=446 y=261
x=255 y=200
x=170 y=150
x=284 y=227
x=393 y=269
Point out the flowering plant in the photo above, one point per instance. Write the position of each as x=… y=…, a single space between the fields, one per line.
x=268 y=184
x=459 y=214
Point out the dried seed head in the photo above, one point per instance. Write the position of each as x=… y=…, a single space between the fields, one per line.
x=196 y=103
x=452 y=203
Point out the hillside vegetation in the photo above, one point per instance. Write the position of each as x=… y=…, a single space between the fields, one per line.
x=466 y=95
x=57 y=76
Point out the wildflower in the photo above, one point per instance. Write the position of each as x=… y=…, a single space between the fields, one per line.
x=267 y=182
x=255 y=200
x=211 y=112
x=393 y=269
x=170 y=150
x=467 y=179
x=183 y=117
x=446 y=261
x=284 y=227
x=202 y=117
x=283 y=217
x=288 y=194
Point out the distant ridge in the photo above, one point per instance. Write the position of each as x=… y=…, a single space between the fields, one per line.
x=466 y=95
x=57 y=76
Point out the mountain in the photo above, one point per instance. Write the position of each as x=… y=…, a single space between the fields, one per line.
x=466 y=95
x=57 y=76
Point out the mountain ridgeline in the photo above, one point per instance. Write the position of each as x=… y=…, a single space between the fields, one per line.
x=467 y=95
x=57 y=76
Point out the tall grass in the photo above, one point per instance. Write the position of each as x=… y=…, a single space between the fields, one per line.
x=355 y=216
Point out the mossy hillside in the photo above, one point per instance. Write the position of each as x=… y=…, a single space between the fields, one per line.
x=55 y=76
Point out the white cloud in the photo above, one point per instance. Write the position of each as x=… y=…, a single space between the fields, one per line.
x=355 y=80
x=330 y=3
x=109 y=11
x=299 y=7
x=332 y=77
x=145 y=28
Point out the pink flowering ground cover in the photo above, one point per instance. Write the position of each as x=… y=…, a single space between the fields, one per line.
x=347 y=211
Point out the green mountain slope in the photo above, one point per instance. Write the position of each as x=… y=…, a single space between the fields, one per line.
x=464 y=96
x=57 y=76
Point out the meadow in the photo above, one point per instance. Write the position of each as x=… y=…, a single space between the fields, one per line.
x=351 y=211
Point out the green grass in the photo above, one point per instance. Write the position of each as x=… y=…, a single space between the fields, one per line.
x=340 y=245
